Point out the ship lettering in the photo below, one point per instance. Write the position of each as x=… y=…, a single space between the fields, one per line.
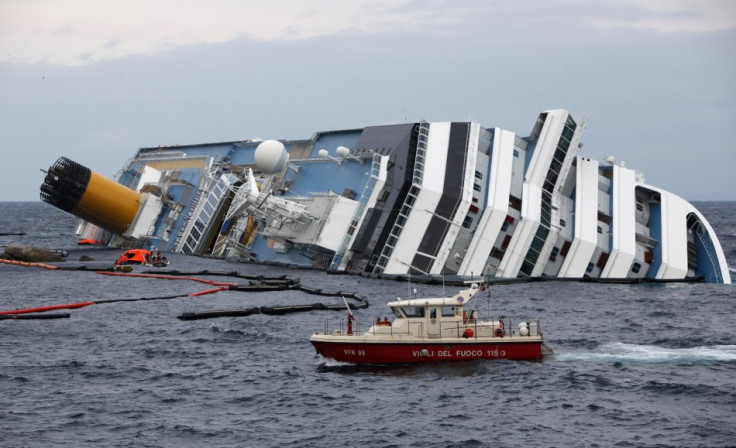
x=351 y=352
x=469 y=353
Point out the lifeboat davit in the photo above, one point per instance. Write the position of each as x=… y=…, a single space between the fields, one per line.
x=133 y=256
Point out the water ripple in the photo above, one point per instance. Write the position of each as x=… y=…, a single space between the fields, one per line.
x=634 y=365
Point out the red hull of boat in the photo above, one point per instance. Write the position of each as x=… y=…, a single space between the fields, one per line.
x=387 y=353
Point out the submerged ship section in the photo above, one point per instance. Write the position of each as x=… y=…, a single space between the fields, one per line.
x=439 y=198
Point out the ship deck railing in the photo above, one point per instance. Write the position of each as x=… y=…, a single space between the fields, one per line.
x=453 y=329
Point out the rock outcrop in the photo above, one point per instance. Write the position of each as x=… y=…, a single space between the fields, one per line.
x=25 y=252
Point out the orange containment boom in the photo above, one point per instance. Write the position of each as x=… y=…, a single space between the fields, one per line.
x=85 y=194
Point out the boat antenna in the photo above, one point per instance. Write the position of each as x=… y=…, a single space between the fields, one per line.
x=487 y=278
x=443 y=283
x=408 y=276
x=351 y=318
x=347 y=305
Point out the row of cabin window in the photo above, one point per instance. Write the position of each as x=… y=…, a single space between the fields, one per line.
x=418 y=311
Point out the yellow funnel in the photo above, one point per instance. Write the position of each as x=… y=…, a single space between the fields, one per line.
x=85 y=194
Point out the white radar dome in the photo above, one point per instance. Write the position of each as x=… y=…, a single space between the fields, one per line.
x=271 y=156
x=342 y=151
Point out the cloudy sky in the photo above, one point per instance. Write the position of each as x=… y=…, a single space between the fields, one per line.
x=95 y=80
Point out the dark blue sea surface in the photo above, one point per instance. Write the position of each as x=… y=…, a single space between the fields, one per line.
x=634 y=365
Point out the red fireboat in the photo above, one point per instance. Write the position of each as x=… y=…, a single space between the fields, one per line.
x=431 y=330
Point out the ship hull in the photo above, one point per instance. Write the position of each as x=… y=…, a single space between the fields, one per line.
x=420 y=352
x=438 y=199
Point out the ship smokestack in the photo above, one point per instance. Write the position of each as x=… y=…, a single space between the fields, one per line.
x=85 y=194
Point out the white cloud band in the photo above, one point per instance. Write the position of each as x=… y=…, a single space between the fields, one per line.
x=78 y=32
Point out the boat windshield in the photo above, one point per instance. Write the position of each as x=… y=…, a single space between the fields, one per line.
x=448 y=311
x=413 y=311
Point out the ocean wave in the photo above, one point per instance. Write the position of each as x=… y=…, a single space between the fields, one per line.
x=619 y=352
x=132 y=375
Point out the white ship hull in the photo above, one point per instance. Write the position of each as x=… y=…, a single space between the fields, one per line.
x=421 y=198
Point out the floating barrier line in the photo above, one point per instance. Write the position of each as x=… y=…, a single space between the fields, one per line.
x=140 y=299
x=396 y=277
x=280 y=310
x=166 y=277
x=260 y=277
x=41 y=309
x=42 y=316
x=258 y=283
x=221 y=287
x=208 y=291
x=28 y=264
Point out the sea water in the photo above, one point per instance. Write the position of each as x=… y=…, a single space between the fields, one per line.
x=634 y=365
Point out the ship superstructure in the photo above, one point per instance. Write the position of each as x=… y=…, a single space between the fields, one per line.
x=439 y=198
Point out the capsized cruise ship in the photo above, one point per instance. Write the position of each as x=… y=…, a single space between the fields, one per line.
x=439 y=198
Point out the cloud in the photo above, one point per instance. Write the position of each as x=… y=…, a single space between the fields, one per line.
x=285 y=69
x=82 y=32
x=79 y=32
x=697 y=16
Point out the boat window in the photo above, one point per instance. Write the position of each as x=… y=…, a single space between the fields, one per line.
x=397 y=313
x=414 y=311
x=433 y=313
x=448 y=311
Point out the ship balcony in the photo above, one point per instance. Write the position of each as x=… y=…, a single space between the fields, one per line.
x=646 y=241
